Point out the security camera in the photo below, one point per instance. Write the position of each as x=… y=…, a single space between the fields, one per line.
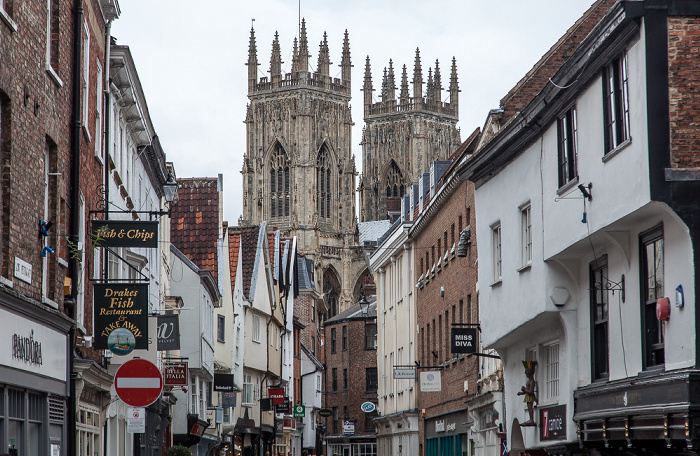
x=87 y=341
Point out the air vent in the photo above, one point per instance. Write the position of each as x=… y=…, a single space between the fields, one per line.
x=56 y=409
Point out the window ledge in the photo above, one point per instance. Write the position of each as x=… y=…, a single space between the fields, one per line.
x=525 y=267
x=54 y=76
x=616 y=150
x=49 y=302
x=568 y=186
x=497 y=283
x=7 y=19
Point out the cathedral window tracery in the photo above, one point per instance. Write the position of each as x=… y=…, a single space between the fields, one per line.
x=394 y=182
x=279 y=183
x=323 y=177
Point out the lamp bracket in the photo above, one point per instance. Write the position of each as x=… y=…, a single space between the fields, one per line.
x=609 y=285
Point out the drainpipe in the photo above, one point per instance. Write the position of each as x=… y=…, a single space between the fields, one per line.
x=105 y=144
x=75 y=215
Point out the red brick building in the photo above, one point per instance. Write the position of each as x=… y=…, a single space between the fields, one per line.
x=351 y=379
x=447 y=297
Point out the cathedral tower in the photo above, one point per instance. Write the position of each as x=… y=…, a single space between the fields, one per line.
x=298 y=170
x=401 y=138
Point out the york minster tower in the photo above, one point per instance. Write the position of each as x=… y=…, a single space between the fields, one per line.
x=298 y=170
x=403 y=136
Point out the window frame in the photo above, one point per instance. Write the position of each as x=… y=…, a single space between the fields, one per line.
x=526 y=235
x=345 y=338
x=280 y=183
x=220 y=328
x=371 y=379
x=496 y=252
x=616 y=118
x=567 y=147
x=651 y=327
x=334 y=344
x=551 y=377
x=598 y=273
x=371 y=338
x=256 y=329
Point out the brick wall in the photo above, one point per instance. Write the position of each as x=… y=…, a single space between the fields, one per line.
x=356 y=359
x=684 y=91
x=436 y=313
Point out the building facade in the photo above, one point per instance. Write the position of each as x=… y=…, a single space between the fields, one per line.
x=588 y=270
x=351 y=380
x=403 y=136
x=298 y=170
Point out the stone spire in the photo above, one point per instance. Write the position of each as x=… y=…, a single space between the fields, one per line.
x=454 y=87
x=276 y=60
x=391 y=82
x=437 y=80
x=385 y=85
x=367 y=87
x=252 y=62
x=324 y=59
x=417 y=77
x=345 y=64
x=295 y=57
x=431 y=87
x=303 y=56
x=403 y=95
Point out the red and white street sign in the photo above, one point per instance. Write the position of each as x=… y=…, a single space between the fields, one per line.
x=138 y=383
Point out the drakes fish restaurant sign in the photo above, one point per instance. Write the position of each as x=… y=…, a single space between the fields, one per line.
x=125 y=233
x=121 y=317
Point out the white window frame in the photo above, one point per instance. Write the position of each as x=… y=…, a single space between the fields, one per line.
x=98 y=114
x=256 y=328
x=551 y=352
x=248 y=396
x=221 y=320
x=497 y=256
x=86 y=76
x=526 y=235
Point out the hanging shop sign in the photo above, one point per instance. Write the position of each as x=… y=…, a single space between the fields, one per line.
x=175 y=374
x=430 y=381
x=463 y=340
x=228 y=399
x=553 y=423
x=168 y=332
x=121 y=317
x=285 y=407
x=299 y=411
x=125 y=233
x=325 y=413
x=405 y=373
x=277 y=395
x=368 y=407
x=223 y=382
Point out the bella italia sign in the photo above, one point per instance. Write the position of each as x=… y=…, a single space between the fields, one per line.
x=125 y=233
x=121 y=317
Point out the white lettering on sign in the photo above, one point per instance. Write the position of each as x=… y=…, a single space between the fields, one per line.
x=440 y=426
x=23 y=270
x=451 y=427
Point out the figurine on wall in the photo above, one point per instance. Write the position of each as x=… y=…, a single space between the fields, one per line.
x=529 y=391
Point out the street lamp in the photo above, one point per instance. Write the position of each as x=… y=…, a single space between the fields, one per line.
x=170 y=188
x=364 y=304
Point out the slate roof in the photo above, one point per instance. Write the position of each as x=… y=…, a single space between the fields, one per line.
x=248 y=246
x=305 y=273
x=194 y=227
x=355 y=312
x=371 y=231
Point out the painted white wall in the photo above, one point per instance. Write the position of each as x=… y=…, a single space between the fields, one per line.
x=518 y=314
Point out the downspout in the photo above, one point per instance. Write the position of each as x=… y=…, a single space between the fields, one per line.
x=105 y=144
x=75 y=215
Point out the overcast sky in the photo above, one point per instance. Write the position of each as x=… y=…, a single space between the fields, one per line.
x=190 y=57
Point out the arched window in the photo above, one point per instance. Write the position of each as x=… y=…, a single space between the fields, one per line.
x=279 y=183
x=323 y=178
x=394 y=182
x=331 y=290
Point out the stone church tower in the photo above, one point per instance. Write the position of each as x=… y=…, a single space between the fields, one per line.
x=298 y=170
x=402 y=137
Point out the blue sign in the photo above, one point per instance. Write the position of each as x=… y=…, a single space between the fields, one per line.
x=368 y=407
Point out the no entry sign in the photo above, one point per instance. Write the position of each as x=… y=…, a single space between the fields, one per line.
x=138 y=383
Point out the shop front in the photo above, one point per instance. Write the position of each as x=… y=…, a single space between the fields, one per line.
x=33 y=377
x=448 y=434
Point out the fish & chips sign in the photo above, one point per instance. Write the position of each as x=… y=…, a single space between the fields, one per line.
x=126 y=233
